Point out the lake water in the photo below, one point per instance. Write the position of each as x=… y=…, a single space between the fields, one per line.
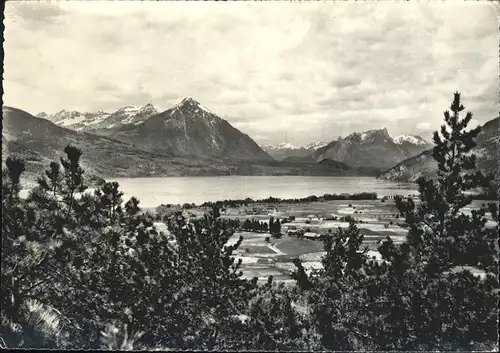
x=178 y=190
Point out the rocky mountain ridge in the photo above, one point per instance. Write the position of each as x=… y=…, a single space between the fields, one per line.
x=91 y=121
x=372 y=148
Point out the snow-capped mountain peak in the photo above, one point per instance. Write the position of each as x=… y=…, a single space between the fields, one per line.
x=134 y=109
x=415 y=140
x=281 y=146
x=316 y=145
x=190 y=103
x=289 y=146
x=189 y=100
x=369 y=135
x=148 y=107
x=75 y=120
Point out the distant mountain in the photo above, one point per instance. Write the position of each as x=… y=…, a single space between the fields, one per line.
x=315 y=145
x=408 y=139
x=74 y=120
x=423 y=164
x=127 y=115
x=371 y=149
x=411 y=145
x=320 y=150
x=190 y=129
x=92 y=121
x=284 y=150
x=280 y=146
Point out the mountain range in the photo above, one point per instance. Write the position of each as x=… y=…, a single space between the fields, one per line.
x=92 y=121
x=286 y=150
x=189 y=129
x=372 y=148
x=39 y=141
x=486 y=151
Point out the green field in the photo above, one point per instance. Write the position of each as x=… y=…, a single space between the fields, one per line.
x=295 y=247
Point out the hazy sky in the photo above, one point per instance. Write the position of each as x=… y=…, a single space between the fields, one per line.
x=280 y=71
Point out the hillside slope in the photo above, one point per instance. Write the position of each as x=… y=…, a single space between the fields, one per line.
x=486 y=152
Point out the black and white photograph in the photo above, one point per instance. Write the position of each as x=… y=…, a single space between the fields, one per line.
x=250 y=175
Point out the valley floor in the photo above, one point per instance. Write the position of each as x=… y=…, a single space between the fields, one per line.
x=261 y=258
x=375 y=216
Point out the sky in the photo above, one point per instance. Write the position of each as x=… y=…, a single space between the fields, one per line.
x=279 y=71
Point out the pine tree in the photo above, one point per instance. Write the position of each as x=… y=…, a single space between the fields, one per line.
x=343 y=257
x=209 y=288
x=441 y=235
x=441 y=240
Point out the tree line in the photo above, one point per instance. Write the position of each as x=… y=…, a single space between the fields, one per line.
x=253 y=225
x=275 y=200
x=85 y=270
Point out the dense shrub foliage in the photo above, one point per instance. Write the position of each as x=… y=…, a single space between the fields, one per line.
x=84 y=269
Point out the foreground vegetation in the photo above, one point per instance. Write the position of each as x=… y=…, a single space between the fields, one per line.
x=83 y=270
